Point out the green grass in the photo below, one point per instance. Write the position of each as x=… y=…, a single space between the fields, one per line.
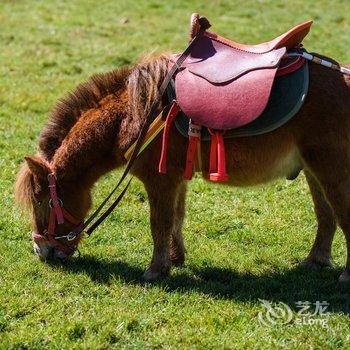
x=243 y=244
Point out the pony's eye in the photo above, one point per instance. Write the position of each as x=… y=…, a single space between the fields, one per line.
x=38 y=204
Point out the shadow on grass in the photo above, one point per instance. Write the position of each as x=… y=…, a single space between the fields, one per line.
x=288 y=286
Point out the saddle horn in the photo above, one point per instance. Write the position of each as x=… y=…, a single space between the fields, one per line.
x=197 y=23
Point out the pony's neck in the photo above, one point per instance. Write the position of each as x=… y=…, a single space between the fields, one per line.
x=90 y=149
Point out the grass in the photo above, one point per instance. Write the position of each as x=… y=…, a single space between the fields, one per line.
x=243 y=244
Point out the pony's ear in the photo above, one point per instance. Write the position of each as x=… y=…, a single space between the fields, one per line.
x=38 y=167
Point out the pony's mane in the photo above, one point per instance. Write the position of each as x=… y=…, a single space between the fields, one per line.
x=69 y=109
x=143 y=81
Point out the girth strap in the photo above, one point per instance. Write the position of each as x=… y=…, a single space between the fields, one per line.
x=194 y=136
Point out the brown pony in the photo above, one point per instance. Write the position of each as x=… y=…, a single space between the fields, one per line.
x=90 y=130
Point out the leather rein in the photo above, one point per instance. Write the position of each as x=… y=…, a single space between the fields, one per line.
x=59 y=214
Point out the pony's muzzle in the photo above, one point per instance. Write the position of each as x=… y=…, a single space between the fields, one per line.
x=43 y=251
x=47 y=252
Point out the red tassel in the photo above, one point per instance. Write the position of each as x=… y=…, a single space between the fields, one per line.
x=213 y=162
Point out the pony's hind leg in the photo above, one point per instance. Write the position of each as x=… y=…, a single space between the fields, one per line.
x=163 y=193
x=177 y=248
x=320 y=254
x=331 y=167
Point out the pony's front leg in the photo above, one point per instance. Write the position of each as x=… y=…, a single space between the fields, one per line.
x=177 y=248
x=163 y=194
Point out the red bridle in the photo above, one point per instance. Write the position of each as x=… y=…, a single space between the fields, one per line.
x=57 y=215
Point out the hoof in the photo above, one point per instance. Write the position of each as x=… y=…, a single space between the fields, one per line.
x=344 y=277
x=152 y=274
x=314 y=263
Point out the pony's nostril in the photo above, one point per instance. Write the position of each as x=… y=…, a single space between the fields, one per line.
x=59 y=255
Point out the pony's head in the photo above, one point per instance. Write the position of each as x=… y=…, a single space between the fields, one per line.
x=57 y=207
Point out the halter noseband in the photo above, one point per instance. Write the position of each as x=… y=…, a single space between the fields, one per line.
x=60 y=215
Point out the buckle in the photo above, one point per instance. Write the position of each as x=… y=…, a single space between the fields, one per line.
x=71 y=236
x=194 y=130
x=51 y=205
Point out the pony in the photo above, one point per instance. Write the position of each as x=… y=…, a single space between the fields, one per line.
x=90 y=130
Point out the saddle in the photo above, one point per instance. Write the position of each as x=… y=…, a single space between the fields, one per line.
x=225 y=85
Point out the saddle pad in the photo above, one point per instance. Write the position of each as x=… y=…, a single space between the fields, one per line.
x=222 y=87
x=287 y=97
